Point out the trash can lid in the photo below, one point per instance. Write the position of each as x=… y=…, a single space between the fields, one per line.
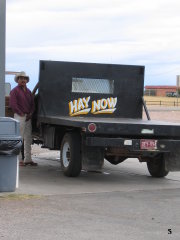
x=9 y=128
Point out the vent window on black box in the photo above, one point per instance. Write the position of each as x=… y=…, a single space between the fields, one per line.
x=92 y=85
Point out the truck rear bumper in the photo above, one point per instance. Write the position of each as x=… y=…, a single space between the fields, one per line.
x=133 y=145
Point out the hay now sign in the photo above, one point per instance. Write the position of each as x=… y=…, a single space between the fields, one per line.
x=82 y=106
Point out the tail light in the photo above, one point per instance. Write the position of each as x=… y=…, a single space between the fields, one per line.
x=92 y=127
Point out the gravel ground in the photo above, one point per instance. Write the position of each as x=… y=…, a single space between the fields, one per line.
x=170 y=114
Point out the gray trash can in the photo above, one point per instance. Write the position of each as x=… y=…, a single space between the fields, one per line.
x=10 y=146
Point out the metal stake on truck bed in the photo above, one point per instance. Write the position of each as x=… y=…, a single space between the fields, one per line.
x=145 y=109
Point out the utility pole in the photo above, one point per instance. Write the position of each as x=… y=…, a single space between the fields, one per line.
x=178 y=87
x=2 y=55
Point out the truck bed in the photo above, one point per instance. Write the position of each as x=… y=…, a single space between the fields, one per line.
x=119 y=126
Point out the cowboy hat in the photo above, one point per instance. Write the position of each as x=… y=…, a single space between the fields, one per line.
x=21 y=74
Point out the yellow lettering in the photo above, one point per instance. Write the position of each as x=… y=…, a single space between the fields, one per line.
x=103 y=104
x=96 y=106
x=112 y=102
x=80 y=104
x=72 y=107
x=86 y=102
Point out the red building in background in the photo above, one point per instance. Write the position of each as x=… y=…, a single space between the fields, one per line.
x=161 y=91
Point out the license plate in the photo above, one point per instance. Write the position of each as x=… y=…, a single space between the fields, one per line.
x=148 y=144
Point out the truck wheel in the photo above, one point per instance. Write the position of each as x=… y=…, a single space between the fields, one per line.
x=115 y=159
x=156 y=167
x=71 y=154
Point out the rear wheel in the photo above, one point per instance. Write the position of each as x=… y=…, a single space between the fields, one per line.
x=71 y=154
x=156 y=167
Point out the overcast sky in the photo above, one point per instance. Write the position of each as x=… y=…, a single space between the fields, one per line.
x=135 y=32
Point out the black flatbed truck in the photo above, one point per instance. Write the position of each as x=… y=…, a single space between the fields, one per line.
x=93 y=111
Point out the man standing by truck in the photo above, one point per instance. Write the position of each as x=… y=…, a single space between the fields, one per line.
x=22 y=104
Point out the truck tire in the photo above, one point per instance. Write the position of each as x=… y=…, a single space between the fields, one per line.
x=156 y=167
x=71 y=154
x=115 y=159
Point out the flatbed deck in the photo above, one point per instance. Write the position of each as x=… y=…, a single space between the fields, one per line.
x=122 y=126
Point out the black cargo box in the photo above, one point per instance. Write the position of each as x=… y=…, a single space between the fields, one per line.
x=118 y=89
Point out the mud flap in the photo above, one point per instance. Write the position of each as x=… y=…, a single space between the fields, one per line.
x=92 y=158
x=172 y=161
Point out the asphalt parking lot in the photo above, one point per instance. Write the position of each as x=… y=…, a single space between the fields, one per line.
x=120 y=202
